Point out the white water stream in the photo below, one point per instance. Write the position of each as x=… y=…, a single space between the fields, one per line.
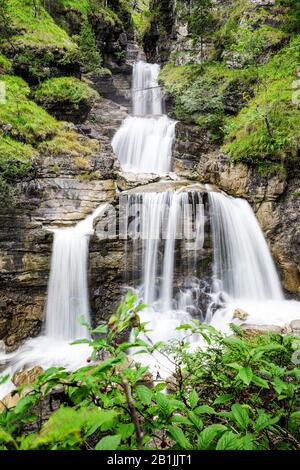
x=143 y=144
x=67 y=300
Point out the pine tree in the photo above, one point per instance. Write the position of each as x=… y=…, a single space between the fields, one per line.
x=90 y=56
x=201 y=22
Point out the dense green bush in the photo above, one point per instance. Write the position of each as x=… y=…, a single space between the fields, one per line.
x=232 y=394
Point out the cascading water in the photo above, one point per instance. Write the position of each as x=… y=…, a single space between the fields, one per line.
x=245 y=276
x=67 y=297
x=143 y=144
x=67 y=300
x=243 y=266
x=146 y=92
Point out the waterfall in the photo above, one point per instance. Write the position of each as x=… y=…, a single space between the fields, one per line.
x=67 y=300
x=67 y=297
x=243 y=266
x=143 y=144
x=146 y=92
x=165 y=221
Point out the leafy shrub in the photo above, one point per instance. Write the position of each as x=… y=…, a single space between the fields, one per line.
x=233 y=394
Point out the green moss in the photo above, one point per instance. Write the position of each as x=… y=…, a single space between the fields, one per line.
x=202 y=92
x=29 y=122
x=269 y=126
x=36 y=26
x=142 y=17
x=81 y=5
x=5 y=65
x=69 y=143
x=16 y=163
x=64 y=90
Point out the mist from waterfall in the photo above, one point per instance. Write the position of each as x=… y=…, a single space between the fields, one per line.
x=143 y=144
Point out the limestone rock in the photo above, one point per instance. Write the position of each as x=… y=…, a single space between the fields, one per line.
x=295 y=325
x=26 y=377
x=127 y=181
x=259 y=330
x=9 y=401
x=240 y=314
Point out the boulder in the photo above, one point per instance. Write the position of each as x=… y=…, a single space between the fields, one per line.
x=240 y=314
x=27 y=377
x=252 y=331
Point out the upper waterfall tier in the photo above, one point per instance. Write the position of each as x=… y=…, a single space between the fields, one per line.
x=143 y=144
x=146 y=92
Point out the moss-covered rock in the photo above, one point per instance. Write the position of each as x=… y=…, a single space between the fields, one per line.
x=66 y=98
x=5 y=65
x=38 y=46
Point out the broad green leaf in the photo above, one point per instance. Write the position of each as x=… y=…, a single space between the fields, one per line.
x=179 y=437
x=163 y=404
x=257 y=353
x=195 y=420
x=240 y=415
x=144 y=394
x=101 y=329
x=193 y=399
x=245 y=375
x=4 y=379
x=236 y=343
x=125 y=431
x=181 y=420
x=209 y=434
x=224 y=398
x=260 y=382
x=228 y=441
x=204 y=409
x=295 y=416
x=109 y=443
x=184 y=327
x=5 y=437
x=247 y=442
x=265 y=421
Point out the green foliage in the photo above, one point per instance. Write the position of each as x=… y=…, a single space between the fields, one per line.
x=142 y=17
x=201 y=22
x=202 y=94
x=35 y=25
x=16 y=162
x=233 y=394
x=27 y=121
x=248 y=137
x=64 y=91
x=90 y=57
x=5 y=65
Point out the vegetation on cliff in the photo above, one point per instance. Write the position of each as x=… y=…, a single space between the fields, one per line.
x=45 y=48
x=242 y=93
